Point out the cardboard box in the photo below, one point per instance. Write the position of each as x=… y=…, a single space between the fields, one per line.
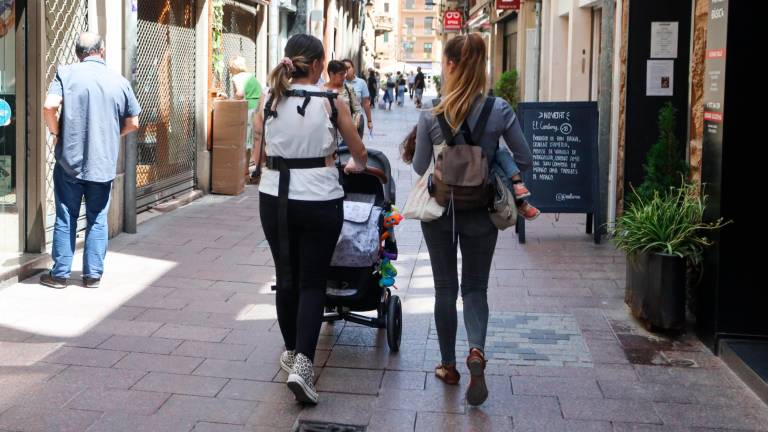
x=230 y=119
x=228 y=164
x=228 y=169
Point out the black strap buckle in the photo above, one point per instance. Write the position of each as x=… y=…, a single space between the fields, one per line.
x=273 y=162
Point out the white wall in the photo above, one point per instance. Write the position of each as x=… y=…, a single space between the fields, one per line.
x=565 y=50
x=579 y=45
x=105 y=17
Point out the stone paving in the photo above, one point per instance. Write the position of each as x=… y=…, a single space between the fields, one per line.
x=182 y=336
x=526 y=339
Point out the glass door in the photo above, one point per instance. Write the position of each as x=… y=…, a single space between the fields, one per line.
x=11 y=152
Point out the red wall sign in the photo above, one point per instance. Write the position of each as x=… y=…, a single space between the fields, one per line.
x=508 y=4
x=452 y=20
x=716 y=53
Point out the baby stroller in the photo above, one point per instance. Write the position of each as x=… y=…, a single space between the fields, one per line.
x=361 y=272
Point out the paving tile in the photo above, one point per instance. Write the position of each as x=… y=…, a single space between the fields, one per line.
x=207 y=409
x=257 y=391
x=609 y=410
x=743 y=418
x=180 y=384
x=128 y=401
x=476 y=421
x=214 y=350
x=47 y=419
x=85 y=357
x=141 y=344
x=86 y=376
x=357 y=381
x=159 y=363
x=196 y=333
x=340 y=408
x=238 y=369
x=392 y=421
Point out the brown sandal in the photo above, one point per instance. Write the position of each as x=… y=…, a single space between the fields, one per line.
x=448 y=374
x=477 y=392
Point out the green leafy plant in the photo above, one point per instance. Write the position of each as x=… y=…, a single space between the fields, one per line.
x=506 y=88
x=670 y=223
x=665 y=169
x=217 y=51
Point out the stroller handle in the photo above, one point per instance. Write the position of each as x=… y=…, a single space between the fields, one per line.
x=369 y=170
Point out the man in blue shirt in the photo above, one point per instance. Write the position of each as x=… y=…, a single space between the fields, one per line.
x=361 y=89
x=98 y=106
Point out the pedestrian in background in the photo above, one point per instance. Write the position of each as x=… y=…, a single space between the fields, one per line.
x=98 y=106
x=411 y=83
x=246 y=87
x=401 y=84
x=389 y=91
x=373 y=87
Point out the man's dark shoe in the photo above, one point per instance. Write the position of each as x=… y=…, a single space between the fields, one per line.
x=90 y=282
x=53 y=282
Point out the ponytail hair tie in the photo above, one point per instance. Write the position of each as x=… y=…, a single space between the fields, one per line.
x=288 y=64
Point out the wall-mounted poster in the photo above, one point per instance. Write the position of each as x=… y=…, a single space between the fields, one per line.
x=660 y=78
x=664 y=38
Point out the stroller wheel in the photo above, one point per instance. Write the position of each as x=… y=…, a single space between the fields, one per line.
x=394 y=323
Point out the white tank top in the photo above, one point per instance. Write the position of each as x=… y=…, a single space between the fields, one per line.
x=291 y=135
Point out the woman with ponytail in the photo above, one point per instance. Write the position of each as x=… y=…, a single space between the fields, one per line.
x=464 y=62
x=300 y=198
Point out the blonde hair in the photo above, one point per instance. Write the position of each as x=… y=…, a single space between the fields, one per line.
x=302 y=50
x=467 y=81
x=237 y=65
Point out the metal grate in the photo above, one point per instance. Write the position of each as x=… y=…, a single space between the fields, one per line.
x=64 y=21
x=238 y=37
x=316 y=426
x=165 y=88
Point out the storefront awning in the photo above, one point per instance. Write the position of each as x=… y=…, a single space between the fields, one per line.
x=481 y=21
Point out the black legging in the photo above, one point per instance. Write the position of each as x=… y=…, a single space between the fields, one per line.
x=314 y=228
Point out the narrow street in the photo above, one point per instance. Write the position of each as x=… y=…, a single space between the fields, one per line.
x=183 y=336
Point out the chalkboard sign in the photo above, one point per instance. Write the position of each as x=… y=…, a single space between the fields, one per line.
x=564 y=176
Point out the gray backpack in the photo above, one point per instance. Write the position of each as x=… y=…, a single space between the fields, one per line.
x=462 y=178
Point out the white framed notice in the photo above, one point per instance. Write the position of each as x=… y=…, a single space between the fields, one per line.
x=660 y=79
x=664 y=37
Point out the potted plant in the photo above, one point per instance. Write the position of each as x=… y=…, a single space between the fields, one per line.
x=661 y=236
x=506 y=88
x=665 y=167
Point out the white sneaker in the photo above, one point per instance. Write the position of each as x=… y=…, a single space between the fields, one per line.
x=301 y=380
x=287 y=358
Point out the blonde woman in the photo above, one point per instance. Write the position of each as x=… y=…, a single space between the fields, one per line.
x=464 y=60
x=246 y=87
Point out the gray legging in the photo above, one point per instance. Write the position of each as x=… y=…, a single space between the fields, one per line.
x=476 y=237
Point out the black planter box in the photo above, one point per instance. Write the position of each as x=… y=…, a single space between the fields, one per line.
x=656 y=290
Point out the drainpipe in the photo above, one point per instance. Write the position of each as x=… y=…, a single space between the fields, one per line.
x=605 y=104
x=130 y=45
